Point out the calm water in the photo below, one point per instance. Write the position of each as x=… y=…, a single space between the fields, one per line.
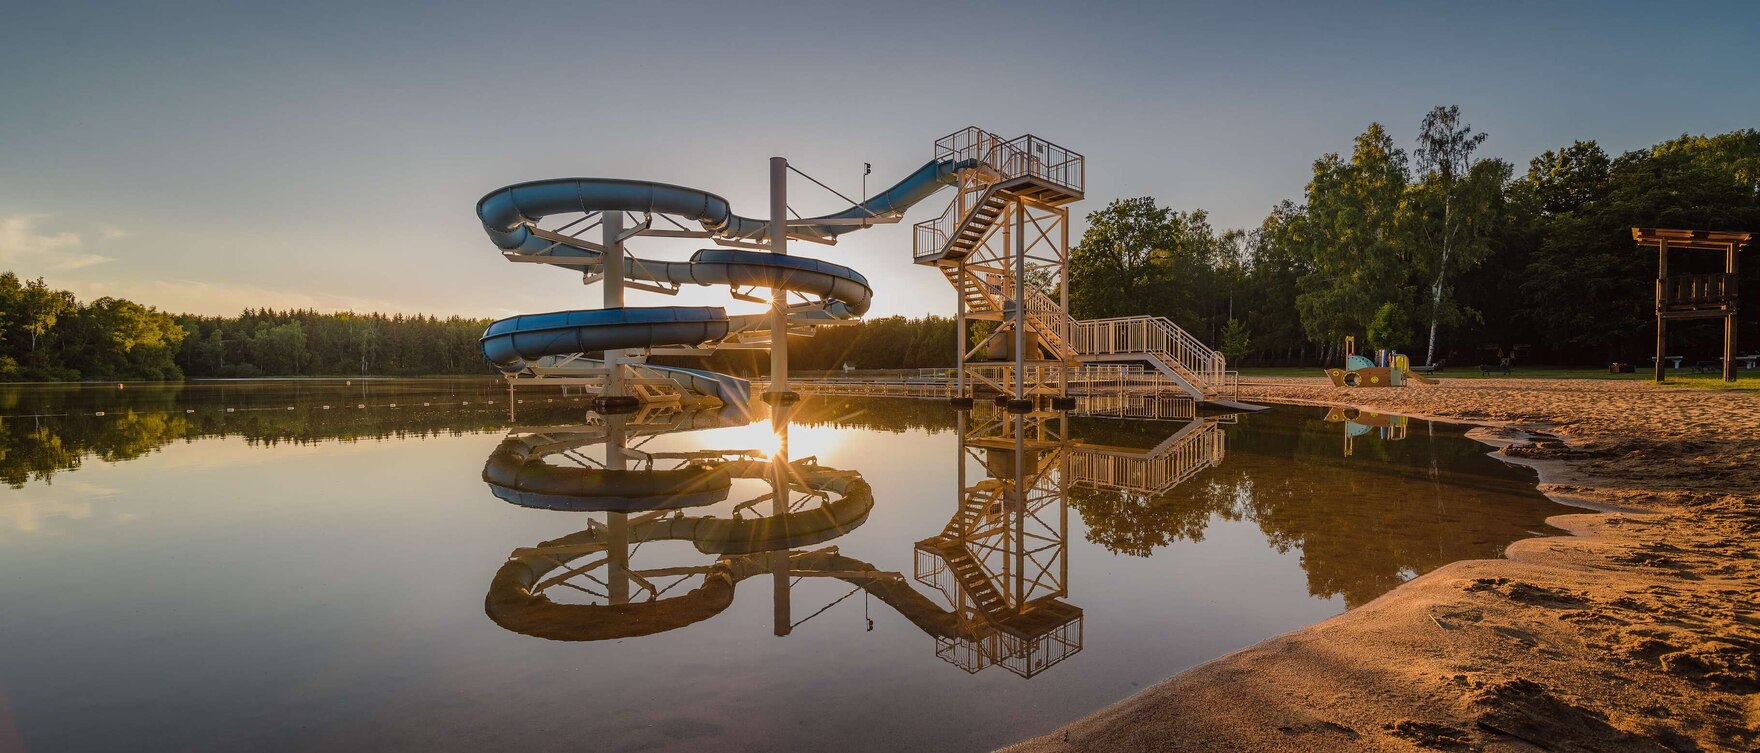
x=286 y=576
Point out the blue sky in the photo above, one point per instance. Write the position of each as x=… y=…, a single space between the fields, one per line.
x=211 y=156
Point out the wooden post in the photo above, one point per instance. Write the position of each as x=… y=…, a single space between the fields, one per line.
x=1732 y=288
x=1661 y=306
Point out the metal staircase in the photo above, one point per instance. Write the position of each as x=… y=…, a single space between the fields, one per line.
x=1002 y=182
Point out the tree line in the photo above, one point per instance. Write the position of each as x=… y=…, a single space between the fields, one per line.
x=1439 y=252
x=49 y=335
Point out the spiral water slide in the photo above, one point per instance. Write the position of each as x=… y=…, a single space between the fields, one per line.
x=511 y=216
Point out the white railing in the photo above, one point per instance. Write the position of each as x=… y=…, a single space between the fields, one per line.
x=1024 y=156
x=1154 y=335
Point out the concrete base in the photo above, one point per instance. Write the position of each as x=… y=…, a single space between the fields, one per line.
x=962 y=403
x=1063 y=403
x=782 y=398
x=1020 y=406
x=616 y=404
x=1002 y=400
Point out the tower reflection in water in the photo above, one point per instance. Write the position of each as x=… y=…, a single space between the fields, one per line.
x=990 y=587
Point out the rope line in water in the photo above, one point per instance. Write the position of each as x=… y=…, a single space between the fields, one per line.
x=827 y=606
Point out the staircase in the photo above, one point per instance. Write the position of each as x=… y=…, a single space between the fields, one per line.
x=974 y=582
x=995 y=178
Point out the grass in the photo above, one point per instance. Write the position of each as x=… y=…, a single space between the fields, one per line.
x=1746 y=379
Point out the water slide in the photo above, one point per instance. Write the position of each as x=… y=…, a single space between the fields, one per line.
x=511 y=215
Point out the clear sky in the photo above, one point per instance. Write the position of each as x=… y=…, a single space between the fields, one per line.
x=211 y=156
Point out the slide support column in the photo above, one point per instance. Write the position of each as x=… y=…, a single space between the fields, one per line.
x=611 y=223
x=779 y=392
x=613 y=396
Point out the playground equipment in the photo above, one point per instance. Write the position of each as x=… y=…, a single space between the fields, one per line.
x=1386 y=369
x=994 y=578
x=1696 y=296
x=1003 y=242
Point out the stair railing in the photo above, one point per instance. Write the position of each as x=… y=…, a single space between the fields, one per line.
x=1153 y=335
x=1151 y=474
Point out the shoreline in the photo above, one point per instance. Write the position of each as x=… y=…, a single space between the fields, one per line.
x=1639 y=630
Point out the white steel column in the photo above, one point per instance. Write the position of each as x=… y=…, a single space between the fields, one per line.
x=780 y=496
x=1063 y=294
x=778 y=296
x=611 y=224
x=959 y=363
x=617 y=579
x=1020 y=300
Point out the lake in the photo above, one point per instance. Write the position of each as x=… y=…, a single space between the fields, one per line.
x=403 y=565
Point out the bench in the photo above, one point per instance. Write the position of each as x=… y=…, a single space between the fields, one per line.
x=1485 y=369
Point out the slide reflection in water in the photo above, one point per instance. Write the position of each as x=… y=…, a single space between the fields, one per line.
x=994 y=579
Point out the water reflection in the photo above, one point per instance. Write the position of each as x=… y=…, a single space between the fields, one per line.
x=994 y=579
x=1358 y=422
x=1094 y=555
x=49 y=429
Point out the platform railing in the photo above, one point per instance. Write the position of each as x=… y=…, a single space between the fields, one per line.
x=996 y=161
x=1031 y=156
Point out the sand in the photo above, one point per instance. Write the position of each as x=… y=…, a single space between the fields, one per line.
x=1639 y=632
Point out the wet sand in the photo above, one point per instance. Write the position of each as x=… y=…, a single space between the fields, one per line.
x=1641 y=632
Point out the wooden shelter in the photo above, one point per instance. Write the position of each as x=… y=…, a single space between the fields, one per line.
x=1695 y=296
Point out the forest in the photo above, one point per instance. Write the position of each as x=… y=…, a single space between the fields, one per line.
x=1438 y=251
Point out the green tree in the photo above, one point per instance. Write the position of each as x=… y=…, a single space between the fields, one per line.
x=1138 y=258
x=40 y=307
x=1236 y=343
x=1113 y=270
x=1350 y=233
x=1453 y=206
x=279 y=348
x=1391 y=327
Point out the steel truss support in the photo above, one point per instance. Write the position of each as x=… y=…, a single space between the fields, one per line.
x=1016 y=278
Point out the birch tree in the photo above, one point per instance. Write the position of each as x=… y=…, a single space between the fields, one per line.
x=1450 y=205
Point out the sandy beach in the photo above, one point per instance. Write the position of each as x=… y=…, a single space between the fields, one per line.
x=1639 y=632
